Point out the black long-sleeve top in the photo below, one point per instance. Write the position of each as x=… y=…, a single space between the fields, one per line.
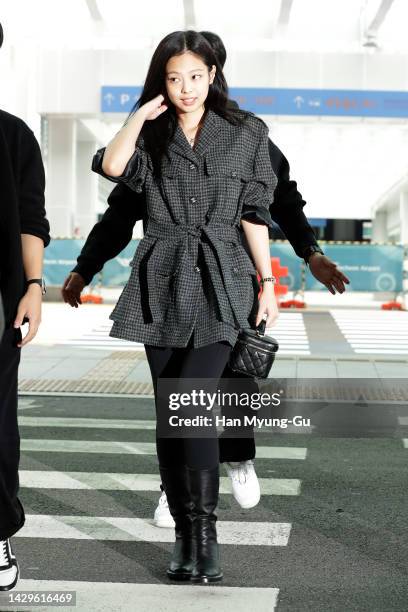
x=22 y=208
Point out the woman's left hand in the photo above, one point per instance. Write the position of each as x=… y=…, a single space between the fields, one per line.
x=267 y=306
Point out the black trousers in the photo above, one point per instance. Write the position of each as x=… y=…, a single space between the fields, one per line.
x=12 y=515
x=236 y=446
x=209 y=361
x=188 y=362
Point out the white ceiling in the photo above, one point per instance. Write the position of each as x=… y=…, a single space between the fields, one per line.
x=320 y=25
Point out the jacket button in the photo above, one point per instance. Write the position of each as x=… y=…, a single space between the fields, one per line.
x=235 y=269
x=193 y=200
x=192 y=166
x=197 y=268
x=234 y=173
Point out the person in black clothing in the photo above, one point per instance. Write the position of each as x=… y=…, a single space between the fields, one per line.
x=2 y=322
x=24 y=231
x=111 y=235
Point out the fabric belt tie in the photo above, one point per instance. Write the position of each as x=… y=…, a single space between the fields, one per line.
x=216 y=234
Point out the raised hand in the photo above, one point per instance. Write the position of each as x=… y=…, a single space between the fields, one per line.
x=151 y=110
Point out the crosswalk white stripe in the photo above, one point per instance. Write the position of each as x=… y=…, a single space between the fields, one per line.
x=380 y=343
x=403 y=420
x=379 y=337
x=381 y=318
x=137 y=448
x=291 y=349
x=293 y=352
x=135 y=482
x=99 y=342
x=106 y=344
x=98 y=336
x=291 y=337
x=381 y=350
x=127 y=597
x=286 y=333
x=392 y=333
x=371 y=324
x=106 y=528
x=300 y=326
x=291 y=330
x=350 y=312
x=370 y=337
x=282 y=328
x=86 y=423
x=281 y=452
x=288 y=341
x=405 y=442
x=375 y=327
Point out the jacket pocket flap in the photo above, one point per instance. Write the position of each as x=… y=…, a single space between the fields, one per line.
x=226 y=166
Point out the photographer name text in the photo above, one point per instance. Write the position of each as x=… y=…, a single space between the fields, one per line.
x=245 y=421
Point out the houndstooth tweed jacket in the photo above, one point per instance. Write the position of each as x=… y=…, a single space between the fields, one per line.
x=190 y=273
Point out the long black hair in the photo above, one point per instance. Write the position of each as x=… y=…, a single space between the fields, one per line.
x=217 y=46
x=158 y=132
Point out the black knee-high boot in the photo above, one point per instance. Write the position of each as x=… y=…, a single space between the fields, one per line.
x=176 y=486
x=204 y=486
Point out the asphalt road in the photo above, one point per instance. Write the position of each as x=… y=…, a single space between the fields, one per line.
x=342 y=503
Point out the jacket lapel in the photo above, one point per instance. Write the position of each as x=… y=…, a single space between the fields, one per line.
x=211 y=130
x=180 y=145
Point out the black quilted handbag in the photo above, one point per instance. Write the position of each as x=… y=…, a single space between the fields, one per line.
x=253 y=353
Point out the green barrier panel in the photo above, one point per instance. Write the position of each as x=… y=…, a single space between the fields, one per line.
x=370 y=267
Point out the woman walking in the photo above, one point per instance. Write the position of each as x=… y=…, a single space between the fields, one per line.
x=205 y=168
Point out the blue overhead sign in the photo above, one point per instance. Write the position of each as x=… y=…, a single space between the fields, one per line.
x=268 y=101
x=118 y=99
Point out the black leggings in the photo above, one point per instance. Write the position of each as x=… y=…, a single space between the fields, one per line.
x=188 y=362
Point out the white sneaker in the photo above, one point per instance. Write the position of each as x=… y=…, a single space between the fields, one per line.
x=9 y=570
x=245 y=484
x=162 y=516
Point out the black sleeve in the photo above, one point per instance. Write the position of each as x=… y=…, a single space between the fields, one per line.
x=31 y=189
x=113 y=232
x=287 y=208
